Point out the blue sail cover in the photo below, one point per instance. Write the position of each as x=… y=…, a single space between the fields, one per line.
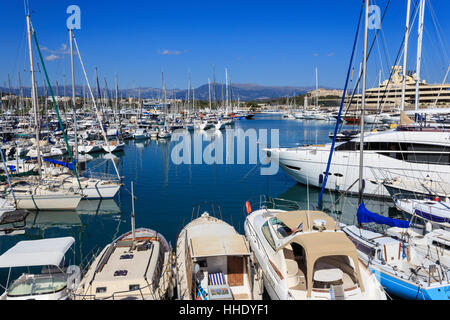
x=365 y=216
x=61 y=163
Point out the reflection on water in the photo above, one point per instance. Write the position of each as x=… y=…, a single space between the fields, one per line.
x=53 y=219
x=98 y=206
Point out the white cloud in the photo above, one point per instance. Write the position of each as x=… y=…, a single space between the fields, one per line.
x=170 y=52
x=331 y=54
x=61 y=51
x=52 y=57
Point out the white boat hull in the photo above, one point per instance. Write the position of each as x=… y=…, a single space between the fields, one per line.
x=47 y=202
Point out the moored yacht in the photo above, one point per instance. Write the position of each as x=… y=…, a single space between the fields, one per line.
x=56 y=279
x=401 y=153
x=213 y=263
x=304 y=255
x=135 y=266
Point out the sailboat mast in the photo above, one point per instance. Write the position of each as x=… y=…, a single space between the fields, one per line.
x=133 y=227
x=405 y=54
x=73 y=97
x=209 y=93
x=363 y=104
x=419 y=50
x=226 y=89
x=317 y=88
x=34 y=96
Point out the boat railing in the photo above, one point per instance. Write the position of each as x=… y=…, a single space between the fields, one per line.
x=432 y=186
x=101 y=176
x=166 y=275
x=266 y=202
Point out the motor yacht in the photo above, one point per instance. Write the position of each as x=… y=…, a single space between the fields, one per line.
x=214 y=263
x=304 y=255
x=55 y=281
x=417 y=154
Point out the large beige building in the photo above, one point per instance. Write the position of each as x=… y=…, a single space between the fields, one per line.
x=389 y=95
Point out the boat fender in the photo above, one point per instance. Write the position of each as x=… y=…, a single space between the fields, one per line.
x=248 y=207
x=320 y=178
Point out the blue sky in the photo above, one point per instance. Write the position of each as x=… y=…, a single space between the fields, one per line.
x=262 y=42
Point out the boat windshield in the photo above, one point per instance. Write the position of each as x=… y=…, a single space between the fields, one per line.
x=280 y=228
x=37 y=285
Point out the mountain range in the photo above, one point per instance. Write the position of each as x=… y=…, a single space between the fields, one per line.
x=243 y=92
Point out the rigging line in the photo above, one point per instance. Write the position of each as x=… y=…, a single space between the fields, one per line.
x=438 y=28
x=55 y=105
x=370 y=51
x=95 y=106
x=319 y=203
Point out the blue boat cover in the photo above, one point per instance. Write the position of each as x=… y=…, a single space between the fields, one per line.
x=365 y=216
x=61 y=163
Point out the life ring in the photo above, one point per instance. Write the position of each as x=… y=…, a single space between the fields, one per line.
x=248 y=207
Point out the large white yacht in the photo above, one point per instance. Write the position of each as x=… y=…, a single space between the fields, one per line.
x=418 y=154
x=304 y=255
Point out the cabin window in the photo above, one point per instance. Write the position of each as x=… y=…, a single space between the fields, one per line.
x=134 y=287
x=441 y=245
x=100 y=290
x=369 y=251
x=266 y=232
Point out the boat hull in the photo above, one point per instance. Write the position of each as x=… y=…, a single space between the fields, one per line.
x=47 y=202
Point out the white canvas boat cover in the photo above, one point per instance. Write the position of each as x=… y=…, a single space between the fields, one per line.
x=46 y=252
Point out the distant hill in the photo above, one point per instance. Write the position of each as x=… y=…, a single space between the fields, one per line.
x=244 y=92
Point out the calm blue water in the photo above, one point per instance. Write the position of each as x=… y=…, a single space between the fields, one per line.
x=167 y=193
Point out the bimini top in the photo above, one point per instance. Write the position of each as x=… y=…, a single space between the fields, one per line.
x=293 y=219
x=46 y=252
x=319 y=244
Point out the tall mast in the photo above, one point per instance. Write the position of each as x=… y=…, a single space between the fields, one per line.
x=363 y=104
x=405 y=54
x=214 y=85
x=75 y=124
x=10 y=94
x=226 y=89
x=117 y=106
x=34 y=97
x=317 y=88
x=209 y=93
x=419 y=50
x=20 y=95
x=189 y=92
